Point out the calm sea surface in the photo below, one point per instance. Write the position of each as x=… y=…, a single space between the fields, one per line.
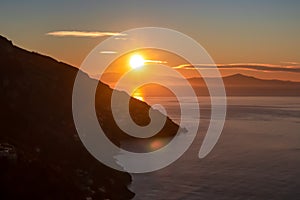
x=256 y=157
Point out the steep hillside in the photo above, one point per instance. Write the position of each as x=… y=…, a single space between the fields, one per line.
x=49 y=161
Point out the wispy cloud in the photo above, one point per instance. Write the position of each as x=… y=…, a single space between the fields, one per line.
x=121 y=38
x=156 y=61
x=83 y=34
x=246 y=66
x=108 y=52
x=291 y=63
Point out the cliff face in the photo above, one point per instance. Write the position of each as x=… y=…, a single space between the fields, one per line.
x=36 y=120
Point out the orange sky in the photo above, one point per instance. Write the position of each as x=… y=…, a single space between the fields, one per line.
x=256 y=32
x=284 y=71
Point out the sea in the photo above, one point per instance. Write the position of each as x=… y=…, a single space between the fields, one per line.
x=256 y=157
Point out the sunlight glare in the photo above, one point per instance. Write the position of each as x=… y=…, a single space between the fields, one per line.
x=136 y=61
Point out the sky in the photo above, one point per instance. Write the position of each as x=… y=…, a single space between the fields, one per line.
x=232 y=32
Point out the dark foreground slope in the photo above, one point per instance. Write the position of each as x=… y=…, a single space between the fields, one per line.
x=41 y=156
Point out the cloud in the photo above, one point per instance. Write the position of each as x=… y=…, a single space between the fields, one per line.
x=121 y=38
x=156 y=61
x=291 y=63
x=108 y=52
x=83 y=34
x=246 y=66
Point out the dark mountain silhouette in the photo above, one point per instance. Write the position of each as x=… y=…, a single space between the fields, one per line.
x=235 y=85
x=241 y=85
x=41 y=156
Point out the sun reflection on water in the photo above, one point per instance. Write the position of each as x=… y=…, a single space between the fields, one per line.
x=137 y=94
x=139 y=97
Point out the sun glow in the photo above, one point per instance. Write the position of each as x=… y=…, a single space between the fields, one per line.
x=138 y=95
x=141 y=98
x=136 y=61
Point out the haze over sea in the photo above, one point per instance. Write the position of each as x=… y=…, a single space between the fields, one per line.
x=256 y=157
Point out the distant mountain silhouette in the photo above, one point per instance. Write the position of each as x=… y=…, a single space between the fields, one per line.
x=235 y=85
x=241 y=85
x=49 y=161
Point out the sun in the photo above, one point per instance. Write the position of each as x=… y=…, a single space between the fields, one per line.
x=136 y=61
